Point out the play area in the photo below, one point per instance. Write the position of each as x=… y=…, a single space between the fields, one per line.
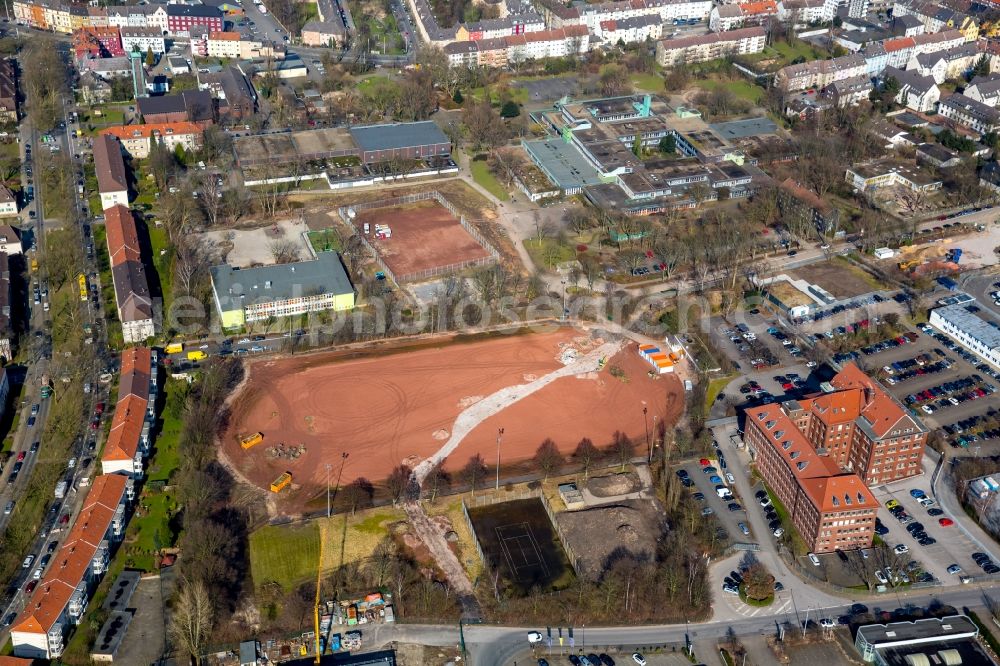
x=420 y=240
x=443 y=402
x=517 y=538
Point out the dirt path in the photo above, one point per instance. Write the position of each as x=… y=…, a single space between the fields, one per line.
x=505 y=397
x=445 y=558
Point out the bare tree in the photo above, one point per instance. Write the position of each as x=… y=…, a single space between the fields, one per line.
x=623 y=448
x=474 y=471
x=548 y=458
x=437 y=478
x=586 y=453
x=284 y=251
x=398 y=480
x=191 y=620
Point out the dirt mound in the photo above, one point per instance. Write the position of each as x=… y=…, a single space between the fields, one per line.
x=637 y=526
x=615 y=484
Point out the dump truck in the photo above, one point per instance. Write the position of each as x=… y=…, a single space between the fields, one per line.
x=281 y=482
x=196 y=355
x=252 y=440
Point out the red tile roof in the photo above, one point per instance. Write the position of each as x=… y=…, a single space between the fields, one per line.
x=122 y=235
x=130 y=410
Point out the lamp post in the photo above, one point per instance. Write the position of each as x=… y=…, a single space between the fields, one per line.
x=655 y=441
x=645 y=423
x=328 y=467
x=499 y=436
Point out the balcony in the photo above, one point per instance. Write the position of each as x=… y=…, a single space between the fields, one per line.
x=99 y=564
x=77 y=606
x=55 y=642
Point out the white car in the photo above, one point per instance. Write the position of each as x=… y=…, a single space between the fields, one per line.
x=927 y=409
x=730 y=478
x=639 y=659
x=901 y=548
x=954 y=569
x=826 y=623
x=881 y=577
x=534 y=637
x=778 y=531
x=812 y=558
x=27 y=561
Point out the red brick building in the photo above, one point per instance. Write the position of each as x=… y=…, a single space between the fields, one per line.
x=820 y=454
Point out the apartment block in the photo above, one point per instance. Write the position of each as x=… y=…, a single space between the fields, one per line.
x=109 y=166
x=130 y=439
x=135 y=305
x=712 y=46
x=137 y=140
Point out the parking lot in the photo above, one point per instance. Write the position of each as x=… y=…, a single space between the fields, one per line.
x=701 y=482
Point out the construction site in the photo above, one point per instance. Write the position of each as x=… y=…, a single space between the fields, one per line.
x=446 y=403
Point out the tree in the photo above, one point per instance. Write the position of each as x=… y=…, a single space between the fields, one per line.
x=484 y=127
x=613 y=80
x=586 y=453
x=150 y=57
x=436 y=479
x=284 y=251
x=548 y=458
x=474 y=471
x=668 y=144
x=398 y=480
x=358 y=492
x=510 y=109
x=191 y=619
x=622 y=448
x=758 y=582
x=457 y=97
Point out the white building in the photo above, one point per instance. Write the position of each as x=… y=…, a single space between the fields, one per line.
x=916 y=92
x=8 y=204
x=129 y=439
x=981 y=337
x=984 y=89
x=143 y=40
x=966 y=111
x=627 y=31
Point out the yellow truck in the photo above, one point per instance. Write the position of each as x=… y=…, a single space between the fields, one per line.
x=175 y=348
x=252 y=440
x=196 y=355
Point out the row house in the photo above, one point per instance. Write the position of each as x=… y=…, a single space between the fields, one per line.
x=850 y=91
x=8 y=91
x=109 y=166
x=804 y=12
x=137 y=140
x=128 y=273
x=712 y=46
x=937 y=18
x=129 y=440
x=174 y=19
x=916 y=91
x=500 y=51
x=948 y=64
x=969 y=113
x=60 y=600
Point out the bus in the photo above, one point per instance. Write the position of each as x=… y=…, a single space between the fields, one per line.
x=175 y=348
x=82 y=279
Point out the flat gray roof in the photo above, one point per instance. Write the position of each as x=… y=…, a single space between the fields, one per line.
x=918 y=630
x=986 y=332
x=739 y=129
x=398 y=135
x=263 y=284
x=562 y=163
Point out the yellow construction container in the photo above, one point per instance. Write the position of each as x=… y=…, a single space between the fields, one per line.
x=252 y=440
x=281 y=482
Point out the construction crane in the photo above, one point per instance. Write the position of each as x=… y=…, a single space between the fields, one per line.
x=319 y=576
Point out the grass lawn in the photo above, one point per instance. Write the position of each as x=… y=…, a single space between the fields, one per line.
x=288 y=554
x=744 y=89
x=546 y=252
x=647 y=82
x=798 y=49
x=163 y=260
x=166 y=457
x=481 y=174
x=715 y=387
x=114 y=327
x=798 y=545
x=371 y=81
x=149 y=530
x=324 y=241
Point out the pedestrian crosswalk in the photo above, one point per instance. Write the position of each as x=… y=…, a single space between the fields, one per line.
x=781 y=605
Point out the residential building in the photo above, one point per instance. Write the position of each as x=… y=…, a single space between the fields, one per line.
x=107 y=68
x=916 y=91
x=711 y=46
x=980 y=336
x=8 y=91
x=947 y=64
x=195 y=106
x=850 y=91
x=937 y=17
x=130 y=439
x=10 y=240
x=60 y=601
x=137 y=140
x=725 y=17
x=6 y=330
x=182 y=18
x=805 y=12
x=630 y=30
x=947 y=640
x=282 y=290
x=109 y=166
x=984 y=89
x=819 y=455
x=224 y=45
x=937 y=155
x=888 y=173
x=8 y=203
x=970 y=113
x=97 y=43
x=820 y=73
x=236 y=97
x=142 y=40
x=323 y=33
x=798 y=202
x=500 y=51
x=135 y=305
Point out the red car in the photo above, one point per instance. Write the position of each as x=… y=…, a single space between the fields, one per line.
x=99 y=409
x=20 y=456
x=704 y=462
x=30 y=587
x=787 y=386
x=946 y=522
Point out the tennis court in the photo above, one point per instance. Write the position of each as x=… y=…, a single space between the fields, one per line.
x=518 y=540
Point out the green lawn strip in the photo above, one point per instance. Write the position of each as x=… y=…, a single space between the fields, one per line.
x=547 y=253
x=715 y=387
x=163 y=260
x=647 y=82
x=482 y=175
x=798 y=545
x=744 y=89
x=284 y=554
x=326 y=240
x=114 y=326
